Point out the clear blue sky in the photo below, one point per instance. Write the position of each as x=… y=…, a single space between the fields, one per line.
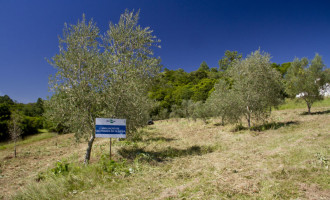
x=191 y=32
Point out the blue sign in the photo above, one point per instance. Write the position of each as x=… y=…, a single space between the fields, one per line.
x=110 y=128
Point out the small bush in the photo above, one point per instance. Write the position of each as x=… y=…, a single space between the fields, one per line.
x=60 y=168
x=115 y=168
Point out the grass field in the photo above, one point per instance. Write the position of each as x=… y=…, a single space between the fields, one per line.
x=181 y=159
x=44 y=134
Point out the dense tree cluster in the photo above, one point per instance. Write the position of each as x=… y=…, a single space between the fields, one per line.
x=174 y=87
x=31 y=117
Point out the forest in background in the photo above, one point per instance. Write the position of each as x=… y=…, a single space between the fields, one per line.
x=31 y=117
x=174 y=89
x=171 y=91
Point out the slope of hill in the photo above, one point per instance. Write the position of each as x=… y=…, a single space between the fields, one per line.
x=181 y=159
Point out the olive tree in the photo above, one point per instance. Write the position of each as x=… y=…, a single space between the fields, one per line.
x=253 y=87
x=102 y=76
x=257 y=85
x=304 y=79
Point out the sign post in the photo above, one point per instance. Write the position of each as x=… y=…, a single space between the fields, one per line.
x=110 y=128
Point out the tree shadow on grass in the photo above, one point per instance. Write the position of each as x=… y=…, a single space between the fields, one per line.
x=158 y=139
x=132 y=153
x=139 y=138
x=316 y=113
x=273 y=125
x=266 y=126
x=218 y=124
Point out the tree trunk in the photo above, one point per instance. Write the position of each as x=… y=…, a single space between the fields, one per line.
x=309 y=105
x=89 y=149
x=248 y=117
x=15 y=149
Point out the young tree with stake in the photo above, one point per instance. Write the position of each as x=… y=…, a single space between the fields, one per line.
x=14 y=128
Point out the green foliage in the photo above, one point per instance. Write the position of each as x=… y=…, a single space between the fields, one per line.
x=61 y=168
x=202 y=89
x=224 y=103
x=173 y=87
x=4 y=119
x=4 y=130
x=34 y=109
x=229 y=59
x=115 y=167
x=326 y=73
x=30 y=125
x=282 y=68
x=305 y=78
x=6 y=100
x=4 y=111
x=204 y=67
x=31 y=115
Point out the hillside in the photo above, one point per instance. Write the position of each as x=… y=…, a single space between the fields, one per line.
x=181 y=159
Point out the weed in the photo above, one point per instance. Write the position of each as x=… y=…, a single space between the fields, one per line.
x=322 y=160
x=61 y=168
x=115 y=167
x=40 y=177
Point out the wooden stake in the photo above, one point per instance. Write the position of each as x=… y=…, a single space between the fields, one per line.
x=110 y=149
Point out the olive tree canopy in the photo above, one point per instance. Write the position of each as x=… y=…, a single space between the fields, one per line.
x=305 y=79
x=252 y=88
x=102 y=76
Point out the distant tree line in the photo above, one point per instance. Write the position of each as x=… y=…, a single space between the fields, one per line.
x=31 y=117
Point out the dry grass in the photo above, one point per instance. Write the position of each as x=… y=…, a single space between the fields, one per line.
x=182 y=159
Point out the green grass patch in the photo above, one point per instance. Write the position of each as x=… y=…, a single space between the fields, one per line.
x=65 y=179
x=299 y=103
x=44 y=134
